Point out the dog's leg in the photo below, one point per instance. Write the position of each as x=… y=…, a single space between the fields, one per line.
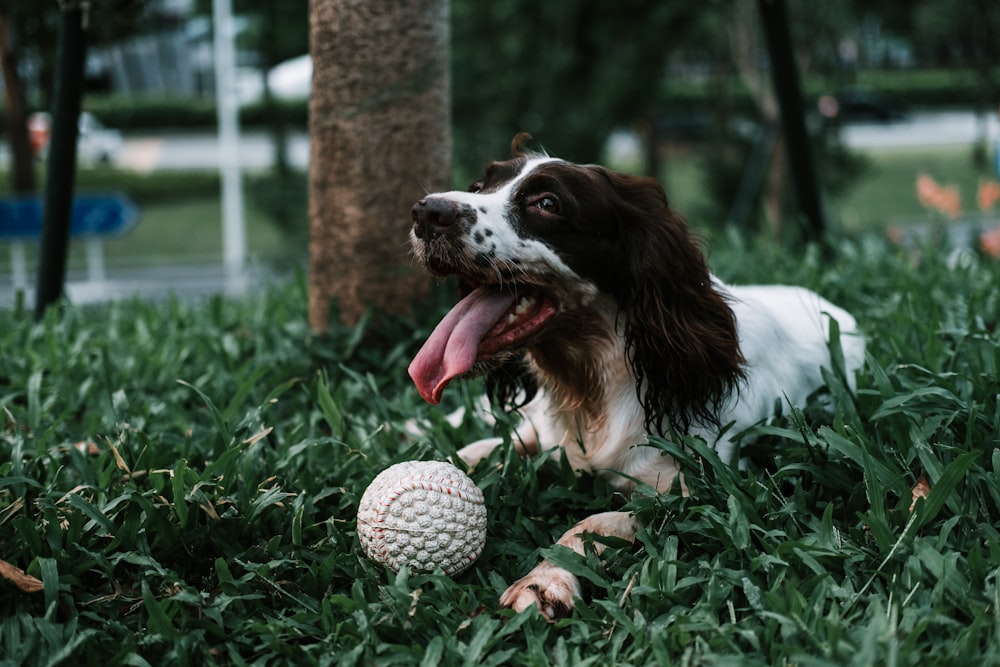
x=525 y=440
x=525 y=444
x=552 y=588
x=474 y=452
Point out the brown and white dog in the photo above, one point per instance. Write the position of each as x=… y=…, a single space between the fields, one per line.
x=588 y=300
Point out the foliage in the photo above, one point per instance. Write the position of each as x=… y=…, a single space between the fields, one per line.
x=182 y=478
x=276 y=30
x=935 y=24
x=170 y=112
x=568 y=72
x=283 y=198
x=918 y=88
x=571 y=74
x=35 y=27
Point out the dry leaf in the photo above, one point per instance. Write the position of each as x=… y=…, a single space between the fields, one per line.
x=25 y=582
x=921 y=489
x=209 y=509
x=258 y=436
x=119 y=461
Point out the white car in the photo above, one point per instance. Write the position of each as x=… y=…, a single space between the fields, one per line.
x=96 y=144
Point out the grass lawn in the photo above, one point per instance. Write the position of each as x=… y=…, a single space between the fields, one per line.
x=190 y=231
x=179 y=482
x=885 y=194
x=180 y=220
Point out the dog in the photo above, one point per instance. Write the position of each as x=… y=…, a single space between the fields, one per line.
x=589 y=305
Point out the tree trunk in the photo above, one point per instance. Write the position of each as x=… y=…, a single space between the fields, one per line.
x=60 y=179
x=22 y=157
x=380 y=139
x=745 y=46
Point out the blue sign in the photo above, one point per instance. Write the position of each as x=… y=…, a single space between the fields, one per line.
x=93 y=215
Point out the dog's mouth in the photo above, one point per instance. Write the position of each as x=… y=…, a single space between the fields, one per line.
x=488 y=321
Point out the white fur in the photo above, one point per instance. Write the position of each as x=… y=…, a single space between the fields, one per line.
x=783 y=335
x=783 y=338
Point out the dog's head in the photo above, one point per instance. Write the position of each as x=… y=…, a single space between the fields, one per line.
x=541 y=248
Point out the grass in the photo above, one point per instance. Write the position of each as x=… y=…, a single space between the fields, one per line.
x=182 y=478
x=180 y=219
x=886 y=192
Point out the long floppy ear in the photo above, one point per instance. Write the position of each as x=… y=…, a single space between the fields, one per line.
x=680 y=333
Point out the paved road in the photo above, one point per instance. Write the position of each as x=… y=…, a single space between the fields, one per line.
x=147 y=153
x=923 y=129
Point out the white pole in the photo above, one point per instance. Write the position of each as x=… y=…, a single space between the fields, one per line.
x=95 y=260
x=18 y=265
x=234 y=244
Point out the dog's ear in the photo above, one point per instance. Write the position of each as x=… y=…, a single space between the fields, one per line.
x=680 y=333
x=519 y=145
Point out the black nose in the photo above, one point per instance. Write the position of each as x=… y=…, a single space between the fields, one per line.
x=432 y=217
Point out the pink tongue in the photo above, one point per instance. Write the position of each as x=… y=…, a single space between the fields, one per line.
x=454 y=345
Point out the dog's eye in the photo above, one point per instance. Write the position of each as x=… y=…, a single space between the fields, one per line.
x=546 y=203
x=476 y=187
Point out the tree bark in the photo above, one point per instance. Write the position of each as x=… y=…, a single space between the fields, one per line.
x=380 y=139
x=22 y=157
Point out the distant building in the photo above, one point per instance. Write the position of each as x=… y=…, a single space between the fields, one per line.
x=175 y=57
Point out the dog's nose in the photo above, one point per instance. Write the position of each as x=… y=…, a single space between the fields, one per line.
x=431 y=217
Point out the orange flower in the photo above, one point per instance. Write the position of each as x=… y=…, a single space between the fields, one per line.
x=943 y=198
x=950 y=202
x=989 y=241
x=988 y=195
x=927 y=189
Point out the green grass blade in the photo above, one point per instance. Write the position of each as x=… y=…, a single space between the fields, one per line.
x=158 y=622
x=49 y=569
x=943 y=488
x=220 y=421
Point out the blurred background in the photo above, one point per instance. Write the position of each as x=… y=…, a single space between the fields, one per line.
x=902 y=104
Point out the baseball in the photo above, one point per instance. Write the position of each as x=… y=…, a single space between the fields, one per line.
x=425 y=514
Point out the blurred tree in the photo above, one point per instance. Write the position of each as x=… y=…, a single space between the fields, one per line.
x=275 y=32
x=816 y=32
x=29 y=31
x=16 y=107
x=379 y=139
x=950 y=33
x=60 y=176
x=568 y=72
x=571 y=73
x=280 y=30
x=958 y=34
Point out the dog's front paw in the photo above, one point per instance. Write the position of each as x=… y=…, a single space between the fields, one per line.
x=549 y=588
x=475 y=452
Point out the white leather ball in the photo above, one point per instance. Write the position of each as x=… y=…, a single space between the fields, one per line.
x=425 y=514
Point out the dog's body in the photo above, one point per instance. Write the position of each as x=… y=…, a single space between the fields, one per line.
x=587 y=297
